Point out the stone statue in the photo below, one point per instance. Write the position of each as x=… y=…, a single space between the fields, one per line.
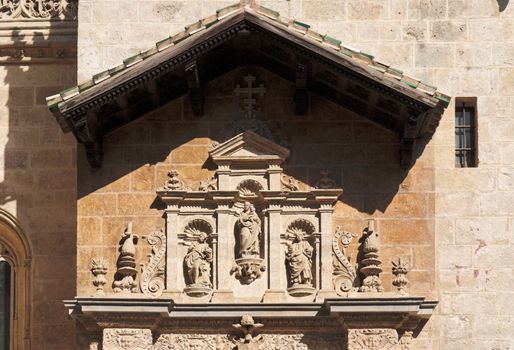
x=198 y=261
x=249 y=225
x=299 y=258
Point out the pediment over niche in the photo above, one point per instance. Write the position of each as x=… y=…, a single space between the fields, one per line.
x=248 y=147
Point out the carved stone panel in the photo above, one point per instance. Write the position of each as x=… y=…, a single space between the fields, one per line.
x=373 y=339
x=127 y=339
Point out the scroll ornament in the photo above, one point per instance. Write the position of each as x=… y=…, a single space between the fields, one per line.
x=152 y=275
x=39 y=9
x=344 y=272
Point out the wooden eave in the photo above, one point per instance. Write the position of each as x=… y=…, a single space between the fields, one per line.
x=245 y=37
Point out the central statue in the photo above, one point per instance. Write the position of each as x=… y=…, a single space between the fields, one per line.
x=249 y=226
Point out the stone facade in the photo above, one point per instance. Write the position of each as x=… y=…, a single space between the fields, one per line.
x=453 y=227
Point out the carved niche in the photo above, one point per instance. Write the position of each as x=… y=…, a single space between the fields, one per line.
x=228 y=236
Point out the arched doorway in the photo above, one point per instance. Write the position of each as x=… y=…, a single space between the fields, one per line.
x=15 y=258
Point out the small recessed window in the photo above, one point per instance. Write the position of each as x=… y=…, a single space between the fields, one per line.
x=465 y=132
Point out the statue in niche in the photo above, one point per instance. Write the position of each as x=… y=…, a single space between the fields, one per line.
x=249 y=265
x=249 y=225
x=198 y=261
x=299 y=258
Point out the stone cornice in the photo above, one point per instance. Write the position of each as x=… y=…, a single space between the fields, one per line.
x=400 y=313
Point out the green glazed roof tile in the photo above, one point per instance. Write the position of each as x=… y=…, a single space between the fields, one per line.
x=314 y=35
x=98 y=78
x=226 y=11
x=267 y=12
x=132 y=60
x=179 y=37
x=209 y=21
x=164 y=44
x=346 y=52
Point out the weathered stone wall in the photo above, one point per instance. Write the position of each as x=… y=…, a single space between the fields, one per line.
x=38 y=186
x=464 y=47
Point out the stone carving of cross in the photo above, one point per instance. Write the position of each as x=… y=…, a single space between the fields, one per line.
x=248 y=92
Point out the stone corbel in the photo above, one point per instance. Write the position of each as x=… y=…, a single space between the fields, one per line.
x=87 y=131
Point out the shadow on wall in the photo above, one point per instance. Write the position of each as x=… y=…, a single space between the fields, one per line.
x=502 y=4
x=38 y=179
x=361 y=157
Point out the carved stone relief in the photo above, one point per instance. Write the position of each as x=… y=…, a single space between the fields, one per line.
x=373 y=339
x=193 y=342
x=152 y=274
x=127 y=339
x=39 y=9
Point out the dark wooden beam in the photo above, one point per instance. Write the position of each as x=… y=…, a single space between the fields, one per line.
x=301 y=95
x=195 y=90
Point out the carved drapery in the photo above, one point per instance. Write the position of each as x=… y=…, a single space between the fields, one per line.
x=39 y=9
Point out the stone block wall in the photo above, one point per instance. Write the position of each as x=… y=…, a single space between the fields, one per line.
x=465 y=48
x=38 y=186
x=362 y=158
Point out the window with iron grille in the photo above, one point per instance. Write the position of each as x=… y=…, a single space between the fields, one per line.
x=465 y=133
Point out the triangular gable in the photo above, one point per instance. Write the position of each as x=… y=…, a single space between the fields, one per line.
x=183 y=63
x=248 y=145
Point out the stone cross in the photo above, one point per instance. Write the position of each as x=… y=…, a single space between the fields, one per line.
x=248 y=92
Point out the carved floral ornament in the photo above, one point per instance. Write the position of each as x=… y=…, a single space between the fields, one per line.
x=39 y=9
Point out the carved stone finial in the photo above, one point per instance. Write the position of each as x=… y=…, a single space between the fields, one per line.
x=248 y=326
x=370 y=265
x=344 y=272
x=152 y=274
x=174 y=183
x=99 y=270
x=400 y=270
x=325 y=182
x=290 y=183
x=125 y=278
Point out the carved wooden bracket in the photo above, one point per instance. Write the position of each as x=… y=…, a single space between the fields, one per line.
x=195 y=91
x=301 y=95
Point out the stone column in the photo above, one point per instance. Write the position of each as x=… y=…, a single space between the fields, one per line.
x=276 y=268
x=326 y=246
x=274 y=173
x=173 y=261
x=225 y=255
